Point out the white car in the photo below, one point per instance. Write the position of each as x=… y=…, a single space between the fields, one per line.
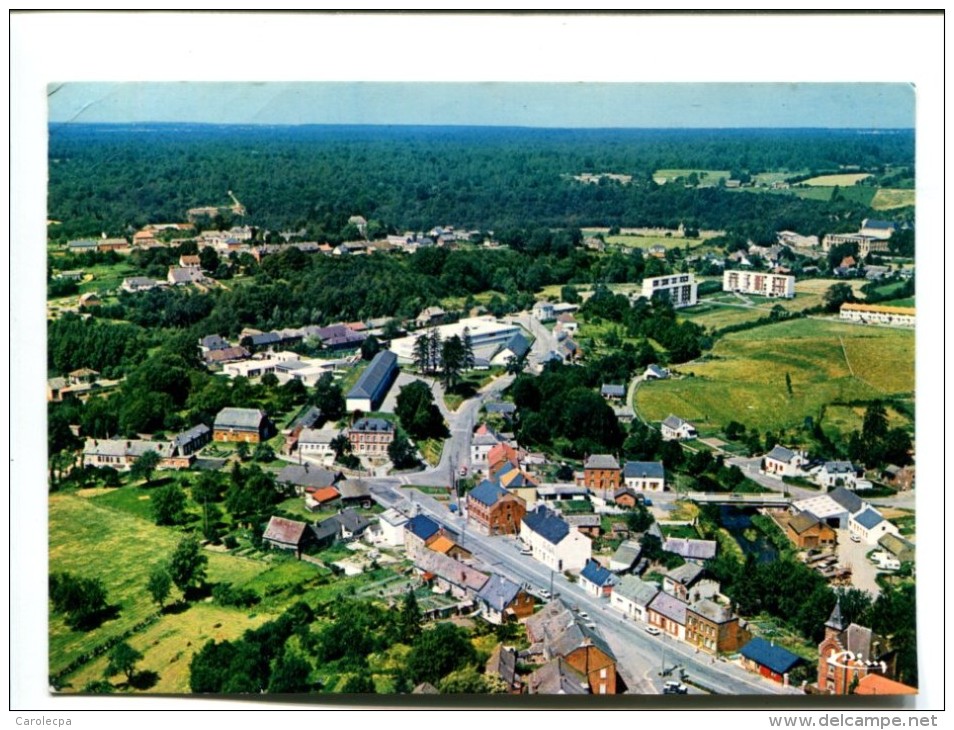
x=855 y=538
x=653 y=631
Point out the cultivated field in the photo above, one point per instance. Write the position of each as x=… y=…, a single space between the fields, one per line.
x=885 y=199
x=745 y=378
x=840 y=180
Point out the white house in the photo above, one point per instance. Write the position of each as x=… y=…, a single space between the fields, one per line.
x=836 y=473
x=870 y=526
x=315 y=445
x=675 y=429
x=485 y=438
x=597 y=580
x=543 y=311
x=632 y=596
x=784 y=462
x=391 y=523
x=554 y=542
x=647 y=476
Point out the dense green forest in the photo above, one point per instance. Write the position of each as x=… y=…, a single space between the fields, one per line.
x=115 y=178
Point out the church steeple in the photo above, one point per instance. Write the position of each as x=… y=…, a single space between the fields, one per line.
x=836 y=622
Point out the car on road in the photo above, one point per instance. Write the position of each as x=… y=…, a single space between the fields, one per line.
x=675 y=688
x=545 y=594
x=855 y=538
x=526 y=551
x=653 y=631
x=583 y=614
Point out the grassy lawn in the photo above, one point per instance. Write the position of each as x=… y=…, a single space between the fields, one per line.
x=431 y=450
x=715 y=316
x=710 y=177
x=885 y=199
x=745 y=380
x=832 y=180
x=907 y=302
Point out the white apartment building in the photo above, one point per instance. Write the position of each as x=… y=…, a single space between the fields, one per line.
x=682 y=289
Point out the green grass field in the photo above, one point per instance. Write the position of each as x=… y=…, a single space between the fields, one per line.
x=746 y=379
x=705 y=176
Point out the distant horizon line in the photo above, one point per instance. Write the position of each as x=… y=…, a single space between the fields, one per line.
x=869 y=129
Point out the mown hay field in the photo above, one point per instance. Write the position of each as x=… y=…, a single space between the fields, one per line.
x=745 y=379
x=886 y=199
x=832 y=180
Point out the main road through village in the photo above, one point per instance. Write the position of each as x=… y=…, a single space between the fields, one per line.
x=641 y=657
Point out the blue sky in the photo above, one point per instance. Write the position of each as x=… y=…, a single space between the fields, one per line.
x=861 y=105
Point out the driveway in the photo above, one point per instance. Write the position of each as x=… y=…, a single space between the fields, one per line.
x=863 y=571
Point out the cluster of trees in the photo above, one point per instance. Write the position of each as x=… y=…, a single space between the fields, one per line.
x=877 y=444
x=656 y=320
x=560 y=410
x=451 y=356
x=82 y=601
x=418 y=413
x=109 y=178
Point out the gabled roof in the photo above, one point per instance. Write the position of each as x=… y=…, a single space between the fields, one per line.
x=847 y=499
x=613 y=391
x=627 y=553
x=352 y=521
x=601 y=461
x=644 y=470
x=518 y=345
x=597 y=574
x=380 y=369
x=877 y=684
x=711 y=611
x=309 y=418
x=354 y=489
x=286 y=531
x=575 y=636
x=670 y=607
x=685 y=574
x=689 y=548
x=673 y=422
x=227 y=353
x=803 y=521
x=514 y=478
x=422 y=526
x=895 y=544
x=453 y=571
x=780 y=453
x=547 y=524
x=316 y=436
x=839 y=467
x=633 y=589
x=869 y=518
x=325 y=494
x=487 y=492
x=557 y=677
x=498 y=592
x=304 y=475
x=245 y=418
x=393 y=517
x=214 y=342
x=500 y=407
x=441 y=544
x=774 y=658
x=657 y=371
x=196 y=432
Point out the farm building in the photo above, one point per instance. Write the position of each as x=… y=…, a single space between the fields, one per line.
x=768 y=660
x=250 y=425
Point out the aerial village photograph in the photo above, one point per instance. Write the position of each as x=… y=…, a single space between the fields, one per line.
x=408 y=390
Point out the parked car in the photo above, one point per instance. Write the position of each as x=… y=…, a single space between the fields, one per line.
x=675 y=688
x=653 y=631
x=526 y=551
x=855 y=538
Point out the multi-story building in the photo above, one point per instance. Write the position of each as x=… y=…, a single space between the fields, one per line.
x=553 y=542
x=713 y=628
x=681 y=289
x=497 y=511
x=647 y=476
x=760 y=283
x=850 y=652
x=242 y=424
x=371 y=437
x=601 y=475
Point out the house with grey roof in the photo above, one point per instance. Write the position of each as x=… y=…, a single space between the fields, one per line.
x=900 y=548
x=557 y=677
x=690 y=549
x=448 y=575
x=299 y=477
x=645 y=476
x=632 y=596
x=625 y=556
x=513 y=349
x=134 y=284
x=190 y=441
x=502 y=664
x=180 y=276
x=371 y=437
x=713 y=628
x=680 y=580
x=870 y=525
x=121 y=454
x=834 y=508
x=501 y=600
x=553 y=542
x=213 y=342
x=668 y=613
x=674 y=428
x=655 y=372
x=784 y=462
x=611 y=391
x=373 y=385
x=836 y=474
x=250 y=425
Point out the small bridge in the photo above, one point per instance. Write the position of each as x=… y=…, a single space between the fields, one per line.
x=765 y=499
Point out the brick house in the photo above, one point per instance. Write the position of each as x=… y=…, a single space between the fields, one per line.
x=495 y=509
x=501 y=600
x=371 y=437
x=250 y=425
x=601 y=474
x=713 y=628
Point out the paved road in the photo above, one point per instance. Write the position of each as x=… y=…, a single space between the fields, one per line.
x=641 y=656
